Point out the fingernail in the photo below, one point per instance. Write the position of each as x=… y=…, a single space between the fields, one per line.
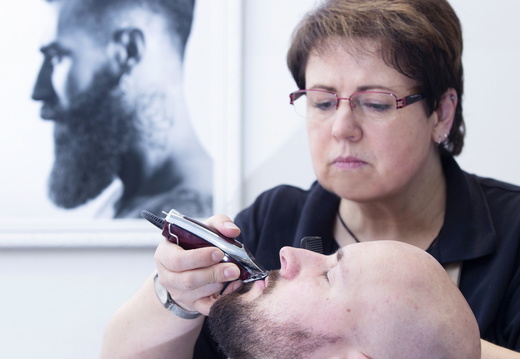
x=230 y=225
x=217 y=255
x=231 y=272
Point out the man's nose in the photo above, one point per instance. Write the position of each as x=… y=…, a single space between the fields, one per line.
x=43 y=89
x=295 y=261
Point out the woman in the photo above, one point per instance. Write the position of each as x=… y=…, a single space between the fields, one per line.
x=380 y=86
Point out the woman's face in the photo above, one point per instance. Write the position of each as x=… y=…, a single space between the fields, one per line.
x=363 y=160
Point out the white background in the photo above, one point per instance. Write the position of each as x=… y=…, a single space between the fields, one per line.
x=55 y=302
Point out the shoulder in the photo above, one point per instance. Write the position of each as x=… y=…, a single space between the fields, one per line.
x=287 y=200
x=283 y=199
x=474 y=190
x=496 y=191
x=272 y=220
x=283 y=195
x=491 y=183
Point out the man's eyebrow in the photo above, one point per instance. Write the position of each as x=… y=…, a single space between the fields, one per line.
x=53 y=48
x=50 y=47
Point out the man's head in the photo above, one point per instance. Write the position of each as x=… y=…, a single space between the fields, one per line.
x=108 y=72
x=378 y=300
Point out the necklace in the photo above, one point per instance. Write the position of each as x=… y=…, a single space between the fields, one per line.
x=346 y=227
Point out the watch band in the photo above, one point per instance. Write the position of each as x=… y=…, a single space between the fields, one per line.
x=169 y=303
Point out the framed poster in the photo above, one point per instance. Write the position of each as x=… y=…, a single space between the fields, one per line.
x=38 y=145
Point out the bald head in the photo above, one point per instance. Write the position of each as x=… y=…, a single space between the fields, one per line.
x=412 y=308
x=379 y=300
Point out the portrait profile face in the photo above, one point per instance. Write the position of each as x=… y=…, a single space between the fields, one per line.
x=93 y=125
x=364 y=297
x=111 y=81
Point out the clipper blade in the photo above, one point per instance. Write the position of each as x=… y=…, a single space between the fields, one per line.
x=153 y=219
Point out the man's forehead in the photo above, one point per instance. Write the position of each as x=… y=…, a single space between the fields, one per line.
x=70 y=42
x=49 y=30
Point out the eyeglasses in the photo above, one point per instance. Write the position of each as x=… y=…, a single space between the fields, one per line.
x=320 y=105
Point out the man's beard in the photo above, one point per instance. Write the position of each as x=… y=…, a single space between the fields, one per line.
x=89 y=140
x=243 y=331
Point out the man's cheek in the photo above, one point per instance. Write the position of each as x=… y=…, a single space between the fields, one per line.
x=61 y=81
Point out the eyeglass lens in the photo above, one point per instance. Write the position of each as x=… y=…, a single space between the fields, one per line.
x=320 y=105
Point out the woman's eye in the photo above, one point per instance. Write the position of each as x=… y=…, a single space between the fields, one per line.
x=377 y=107
x=325 y=105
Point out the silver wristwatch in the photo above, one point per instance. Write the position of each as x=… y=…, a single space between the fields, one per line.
x=169 y=303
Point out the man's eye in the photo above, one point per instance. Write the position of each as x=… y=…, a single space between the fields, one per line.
x=56 y=58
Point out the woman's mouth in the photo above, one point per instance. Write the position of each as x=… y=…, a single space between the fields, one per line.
x=349 y=162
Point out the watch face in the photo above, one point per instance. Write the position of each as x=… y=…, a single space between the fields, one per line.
x=161 y=292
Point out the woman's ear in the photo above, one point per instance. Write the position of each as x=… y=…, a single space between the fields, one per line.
x=445 y=115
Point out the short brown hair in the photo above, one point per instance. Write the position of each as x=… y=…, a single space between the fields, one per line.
x=422 y=39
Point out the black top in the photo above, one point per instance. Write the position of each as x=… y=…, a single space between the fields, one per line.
x=481 y=228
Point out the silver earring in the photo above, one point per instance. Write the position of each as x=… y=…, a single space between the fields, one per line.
x=441 y=138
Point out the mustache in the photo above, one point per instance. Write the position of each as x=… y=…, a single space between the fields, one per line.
x=271 y=282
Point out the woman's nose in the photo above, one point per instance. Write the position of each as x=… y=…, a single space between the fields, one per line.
x=295 y=261
x=345 y=125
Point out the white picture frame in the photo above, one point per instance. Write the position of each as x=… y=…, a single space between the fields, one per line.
x=212 y=77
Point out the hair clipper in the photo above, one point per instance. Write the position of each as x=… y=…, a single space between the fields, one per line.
x=191 y=234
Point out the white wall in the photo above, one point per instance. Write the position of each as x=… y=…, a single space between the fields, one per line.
x=55 y=302
x=491 y=59
x=275 y=147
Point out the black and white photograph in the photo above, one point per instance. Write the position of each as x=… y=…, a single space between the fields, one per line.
x=103 y=115
x=111 y=84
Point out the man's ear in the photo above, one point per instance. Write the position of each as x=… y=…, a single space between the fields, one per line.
x=126 y=49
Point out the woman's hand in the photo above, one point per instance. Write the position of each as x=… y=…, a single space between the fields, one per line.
x=493 y=351
x=195 y=277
